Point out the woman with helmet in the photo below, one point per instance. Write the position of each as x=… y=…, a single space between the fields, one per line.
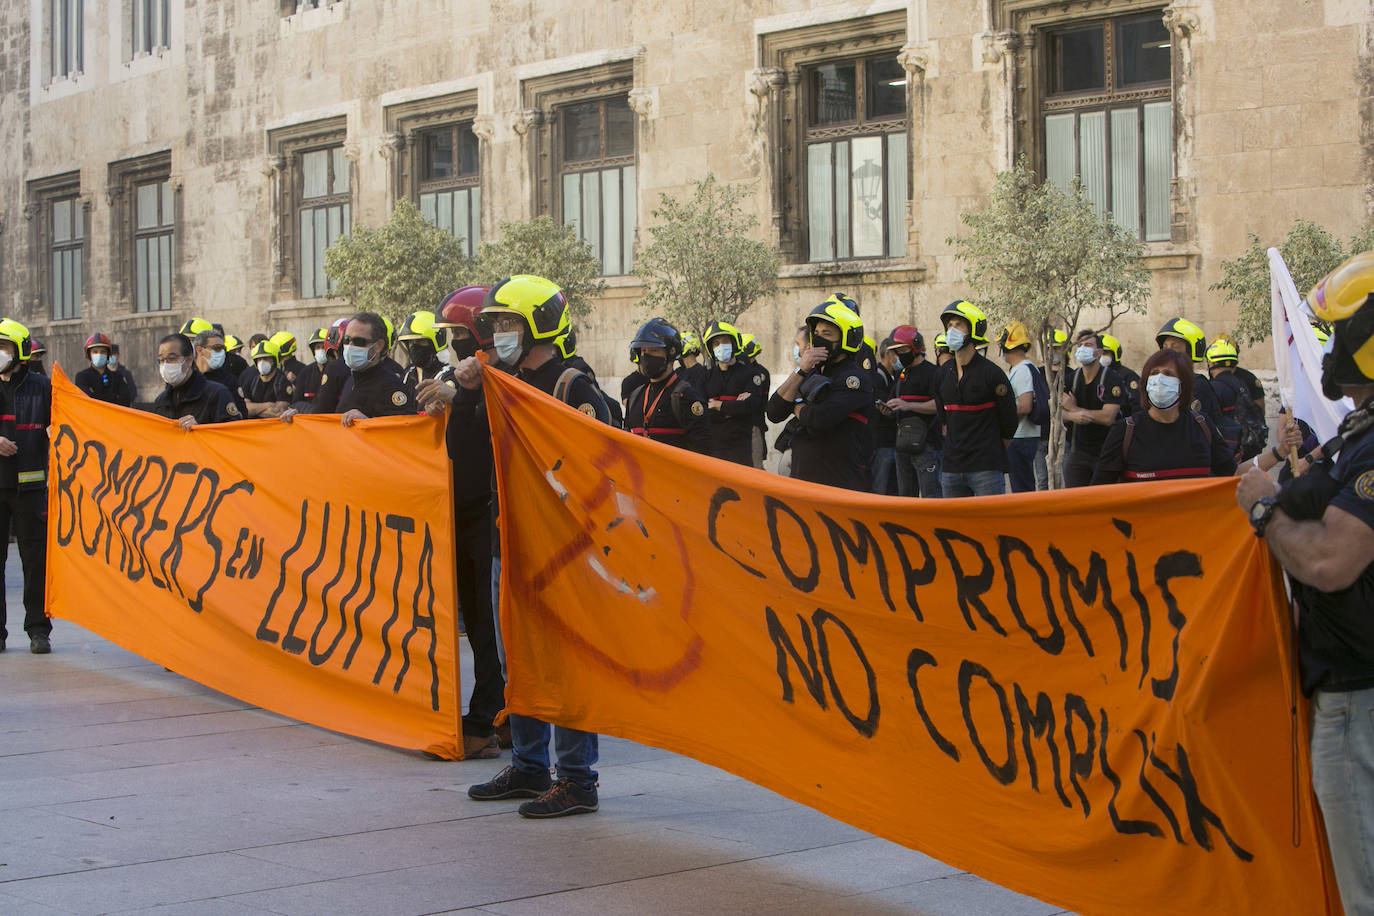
x=974 y=404
x=1320 y=527
x=1166 y=439
x=98 y=380
x=831 y=396
x=1187 y=338
x=913 y=402
x=25 y=415
x=665 y=408
x=733 y=391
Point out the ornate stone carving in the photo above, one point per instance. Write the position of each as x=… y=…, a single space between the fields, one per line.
x=916 y=57
x=522 y=122
x=32 y=209
x=391 y=144
x=352 y=151
x=1182 y=19
x=763 y=80
x=273 y=165
x=644 y=102
x=112 y=194
x=997 y=45
x=484 y=127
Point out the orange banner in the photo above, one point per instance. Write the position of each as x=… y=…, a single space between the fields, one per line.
x=1087 y=697
x=306 y=568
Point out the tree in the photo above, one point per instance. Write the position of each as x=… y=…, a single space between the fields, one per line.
x=1040 y=254
x=405 y=265
x=700 y=264
x=546 y=249
x=1310 y=253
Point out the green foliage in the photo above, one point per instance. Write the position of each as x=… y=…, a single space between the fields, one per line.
x=1310 y=253
x=700 y=264
x=1040 y=254
x=406 y=265
x=546 y=249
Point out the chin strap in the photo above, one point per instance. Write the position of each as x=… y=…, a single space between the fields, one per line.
x=1356 y=423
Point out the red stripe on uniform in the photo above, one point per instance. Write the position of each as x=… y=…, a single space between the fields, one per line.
x=860 y=417
x=6 y=416
x=914 y=397
x=657 y=431
x=726 y=397
x=1171 y=472
x=28 y=426
x=988 y=406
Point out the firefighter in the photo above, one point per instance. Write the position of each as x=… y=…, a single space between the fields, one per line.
x=665 y=408
x=98 y=380
x=25 y=415
x=1187 y=338
x=831 y=395
x=266 y=392
x=975 y=406
x=188 y=396
x=426 y=348
x=373 y=388
x=730 y=385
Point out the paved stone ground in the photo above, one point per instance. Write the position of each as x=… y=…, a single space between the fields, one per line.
x=127 y=788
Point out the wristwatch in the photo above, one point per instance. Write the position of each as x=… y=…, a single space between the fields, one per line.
x=1261 y=512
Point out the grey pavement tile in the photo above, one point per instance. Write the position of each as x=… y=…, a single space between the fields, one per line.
x=180 y=880
x=13 y=906
x=402 y=892
x=953 y=895
x=219 y=907
x=115 y=735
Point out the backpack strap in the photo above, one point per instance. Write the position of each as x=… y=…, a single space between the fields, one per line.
x=1126 y=440
x=562 y=387
x=1202 y=421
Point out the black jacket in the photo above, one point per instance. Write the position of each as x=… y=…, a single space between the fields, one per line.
x=831 y=444
x=377 y=392
x=207 y=401
x=27 y=413
x=107 y=385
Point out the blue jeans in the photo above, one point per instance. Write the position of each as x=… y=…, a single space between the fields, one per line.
x=1041 y=465
x=884 y=470
x=577 y=750
x=496 y=613
x=1021 y=462
x=1343 y=777
x=972 y=483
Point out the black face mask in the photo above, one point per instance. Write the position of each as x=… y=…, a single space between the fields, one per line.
x=1330 y=389
x=652 y=366
x=831 y=347
x=420 y=353
x=906 y=357
x=463 y=347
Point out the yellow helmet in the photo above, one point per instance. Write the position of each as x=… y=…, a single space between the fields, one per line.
x=1340 y=300
x=751 y=348
x=1322 y=334
x=1013 y=336
x=566 y=343
x=1222 y=353
x=851 y=326
x=1112 y=346
x=232 y=343
x=18 y=335
x=267 y=349
x=724 y=329
x=1059 y=338
x=285 y=342
x=940 y=343
x=977 y=321
x=194 y=326
x=539 y=302
x=690 y=344
x=422 y=326
x=1185 y=331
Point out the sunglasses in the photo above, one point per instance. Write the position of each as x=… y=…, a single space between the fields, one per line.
x=358 y=341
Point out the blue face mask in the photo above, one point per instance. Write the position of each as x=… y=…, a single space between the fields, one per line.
x=1162 y=390
x=723 y=352
x=955 y=340
x=1085 y=355
x=99 y=360
x=355 y=357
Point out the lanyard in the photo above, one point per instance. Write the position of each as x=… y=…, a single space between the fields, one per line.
x=648 y=409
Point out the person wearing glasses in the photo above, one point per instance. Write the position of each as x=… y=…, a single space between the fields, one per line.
x=188 y=396
x=372 y=388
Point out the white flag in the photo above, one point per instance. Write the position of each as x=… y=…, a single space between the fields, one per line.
x=1298 y=357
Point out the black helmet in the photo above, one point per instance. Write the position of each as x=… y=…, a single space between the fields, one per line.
x=657 y=332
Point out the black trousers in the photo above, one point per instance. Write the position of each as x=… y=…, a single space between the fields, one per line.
x=1079 y=465
x=472 y=549
x=25 y=514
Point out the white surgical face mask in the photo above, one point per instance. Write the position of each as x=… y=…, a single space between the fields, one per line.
x=1105 y=361
x=173 y=373
x=320 y=356
x=796 y=354
x=264 y=367
x=1085 y=356
x=723 y=352
x=445 y=356
x=114 y=361
x=507 y=346
x=99 y=360
x=1162 y=390
x=5 y=360
x=216 y=360
x=355 y=357
x=955 y=340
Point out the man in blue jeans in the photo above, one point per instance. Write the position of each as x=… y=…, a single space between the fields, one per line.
x=1320 y=527
x=526 y=315
x=973 y=401
x=1015 y=344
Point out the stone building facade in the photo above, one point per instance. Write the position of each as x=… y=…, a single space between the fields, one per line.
x=169 y=158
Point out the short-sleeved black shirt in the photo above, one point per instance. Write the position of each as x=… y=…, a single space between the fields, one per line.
x=1190 y=446
x=256 y=389
x=1093 y=394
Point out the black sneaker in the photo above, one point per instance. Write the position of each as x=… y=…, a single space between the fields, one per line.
x=511 y=783
x=39 y=645
x=566 y=797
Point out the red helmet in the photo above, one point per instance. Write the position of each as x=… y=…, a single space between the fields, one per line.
x=905 y=334
x=98 y=340
x=333 y=340
x=461 y=308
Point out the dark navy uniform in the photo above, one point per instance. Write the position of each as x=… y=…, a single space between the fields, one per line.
x=1130 y=387
x=378 y=392
x=1205 y=398
x=223 y=376
x=414 y=375
x=1188 y=447
x=831 y=444
x=695 y=376
x=25 y=415
x=308 y=386
x=676 y=414
x=235 y=365
x=104 y=385
x=261 y=390
x=293 y=369
x=207 y=401
x=332 y=379
x=732 y=426
x=977 y=412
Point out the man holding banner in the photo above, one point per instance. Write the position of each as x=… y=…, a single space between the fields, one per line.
x=25 y=415
x=1319 y=527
